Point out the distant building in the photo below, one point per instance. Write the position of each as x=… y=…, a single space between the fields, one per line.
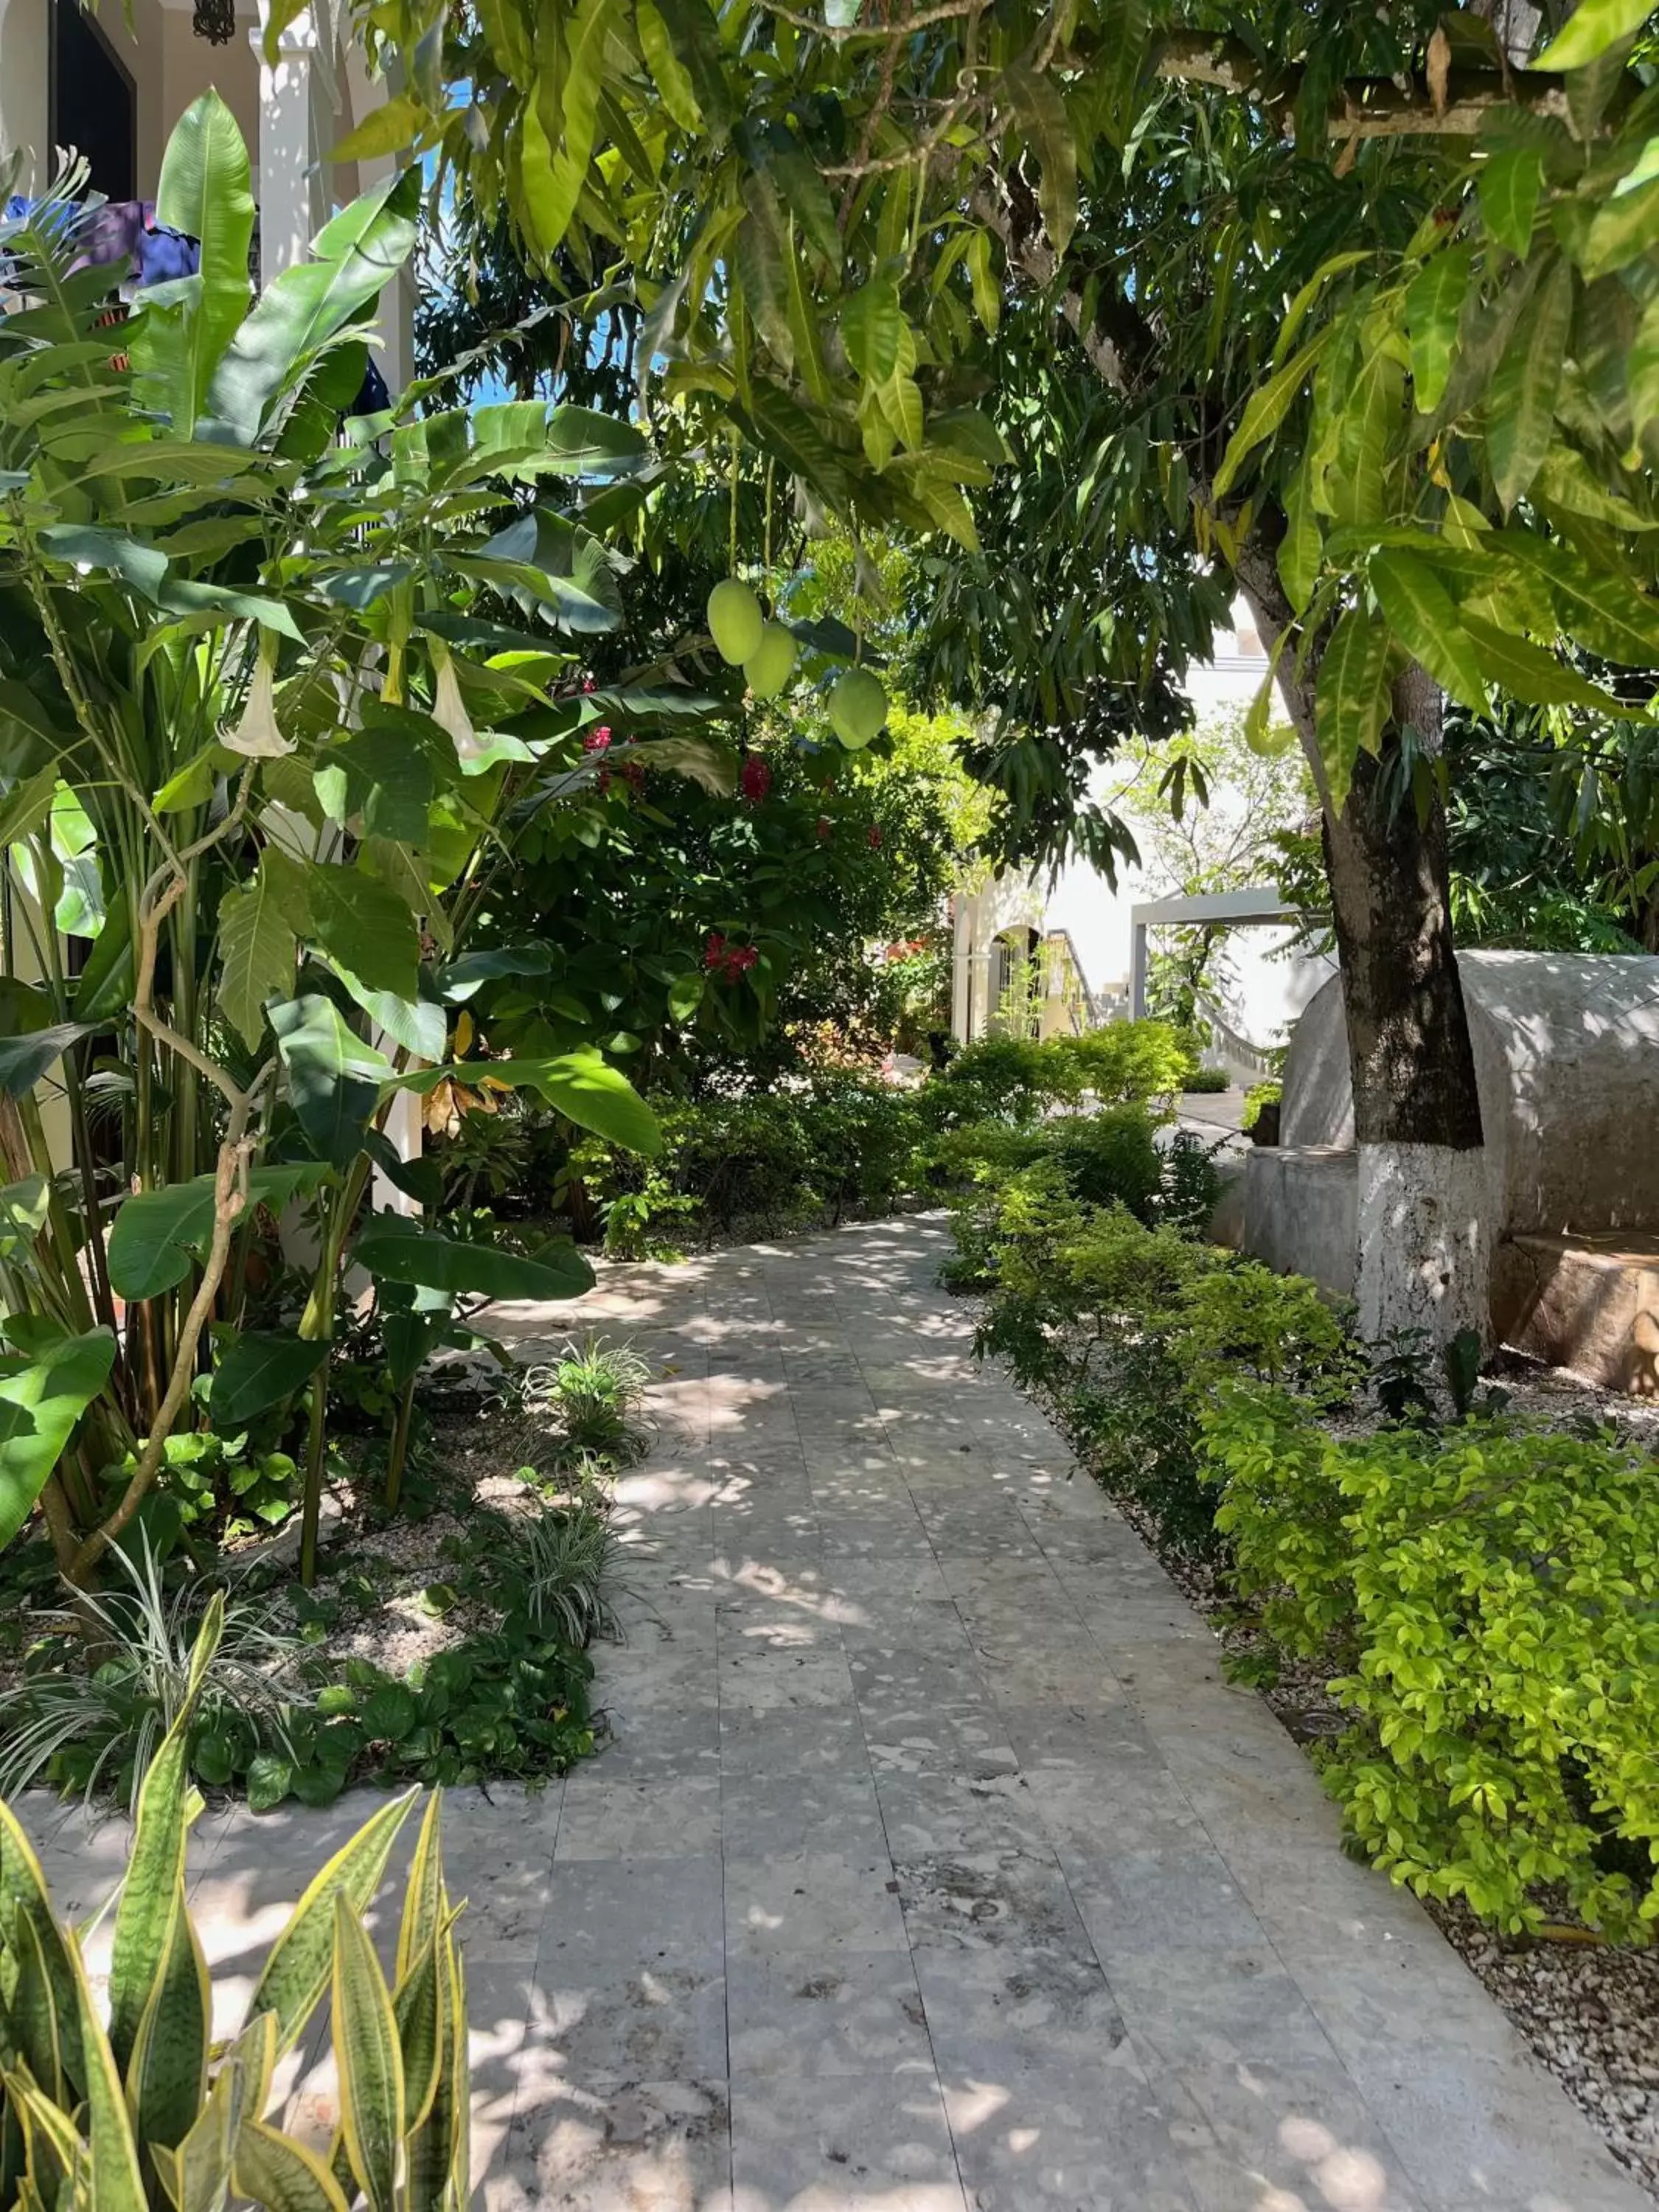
x=1089 y=923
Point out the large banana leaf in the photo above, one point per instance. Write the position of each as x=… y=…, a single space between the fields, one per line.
x=42 y=1395
x=305 y=309
x=177 y=341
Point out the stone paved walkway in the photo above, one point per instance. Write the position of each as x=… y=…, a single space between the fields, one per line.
x=933 y=1867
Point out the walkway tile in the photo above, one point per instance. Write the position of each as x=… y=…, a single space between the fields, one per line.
x=933 y=1867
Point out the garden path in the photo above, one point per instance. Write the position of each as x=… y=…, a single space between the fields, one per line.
x=933 y=1867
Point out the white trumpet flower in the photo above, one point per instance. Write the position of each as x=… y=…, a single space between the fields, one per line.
x=449 y=709
x=257 y=735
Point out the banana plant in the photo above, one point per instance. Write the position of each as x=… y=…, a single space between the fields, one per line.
x=279 y=685
x=138 y=2110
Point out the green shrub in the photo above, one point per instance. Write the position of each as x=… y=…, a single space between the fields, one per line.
x=1132 y=1328
x=1487 y=1601
x=996 y=1078
x=1124 y=1063
x=141 y=2106
x=1258 y=1096
x=840 y=1146
x=1014 y=1080
x=1207 y=1079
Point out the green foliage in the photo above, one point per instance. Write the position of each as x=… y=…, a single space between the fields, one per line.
x=1487 y=1601
x=144 y=2107
x=1207 y=1081
x=1258 y=1096
x=1015 y=1079
x=194 y=559
x=829 y=1147
x=93 y=1732
x=1130 y=1328
x=593 y=1392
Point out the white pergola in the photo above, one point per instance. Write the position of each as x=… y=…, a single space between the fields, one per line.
x=1262 y=904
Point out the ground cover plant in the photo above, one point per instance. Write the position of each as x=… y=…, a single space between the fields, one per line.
x=1472 y=1599
x=444 y=1643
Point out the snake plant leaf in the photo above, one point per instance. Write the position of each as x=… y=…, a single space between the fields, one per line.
x=141 y=1957
x=166 y=2074
x=368 y=2056
x=424 y=1895
x=297 y=1971
x=269 y=2168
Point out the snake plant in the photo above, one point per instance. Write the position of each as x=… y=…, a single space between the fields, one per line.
x=139 y=2111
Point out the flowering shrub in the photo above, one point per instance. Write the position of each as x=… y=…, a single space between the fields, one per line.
x=1486 y=1598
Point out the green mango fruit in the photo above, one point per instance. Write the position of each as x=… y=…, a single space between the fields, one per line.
x=772 y=663
x=735 y=620
x=858 y=708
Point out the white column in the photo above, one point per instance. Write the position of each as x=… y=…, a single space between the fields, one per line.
x=292 y=204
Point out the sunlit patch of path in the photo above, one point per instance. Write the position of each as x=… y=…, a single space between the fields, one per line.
x=933 y=1867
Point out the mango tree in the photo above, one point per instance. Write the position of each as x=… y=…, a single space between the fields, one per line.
x=1405 y=273
x=274 y=678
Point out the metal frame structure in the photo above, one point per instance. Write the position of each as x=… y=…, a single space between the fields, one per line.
x=1260 y=904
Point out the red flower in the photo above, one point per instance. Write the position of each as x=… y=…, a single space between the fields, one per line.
x=824 y=827
x=756 y=779
x=589 y=684
x=874 y=835
x=634 y=772
x=598 y=740
x=714 y=951
x=602 y=782
x=727 y=961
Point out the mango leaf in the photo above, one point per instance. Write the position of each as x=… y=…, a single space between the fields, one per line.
x=1434 y=299
x=395 y=1251
x=256 y=951
x=1623 y=229
x=1521 y=401
x=1352 y=698
x=1593 y=27
x=1267 y=408
x=42 y=1396
x=1602 y=609
x=258 y=1370
x=1526 y=673
x=1422 y=615
x=334 y=1078
x=1509 y=183
x=673 y=81
x=873 y=328
x=393 y=128
x=1048 y=133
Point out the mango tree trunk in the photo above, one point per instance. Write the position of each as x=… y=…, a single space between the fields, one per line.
x=1424 y=1226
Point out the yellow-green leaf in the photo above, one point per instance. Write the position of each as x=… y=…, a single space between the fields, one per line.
x=1352 y=701
x=671 y=78
x=166 y=2074
x=369 y=2057
x=392 y=129
x=297 y=1971
x=270 y=2169
x=424 y=1894
x=1423 y=616
x=1521 y=401
x=1267 y=408
x=1509 y=183
x=1048 y=133
x=1526 y=673
x=1434 y=299
x=1593 y=26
